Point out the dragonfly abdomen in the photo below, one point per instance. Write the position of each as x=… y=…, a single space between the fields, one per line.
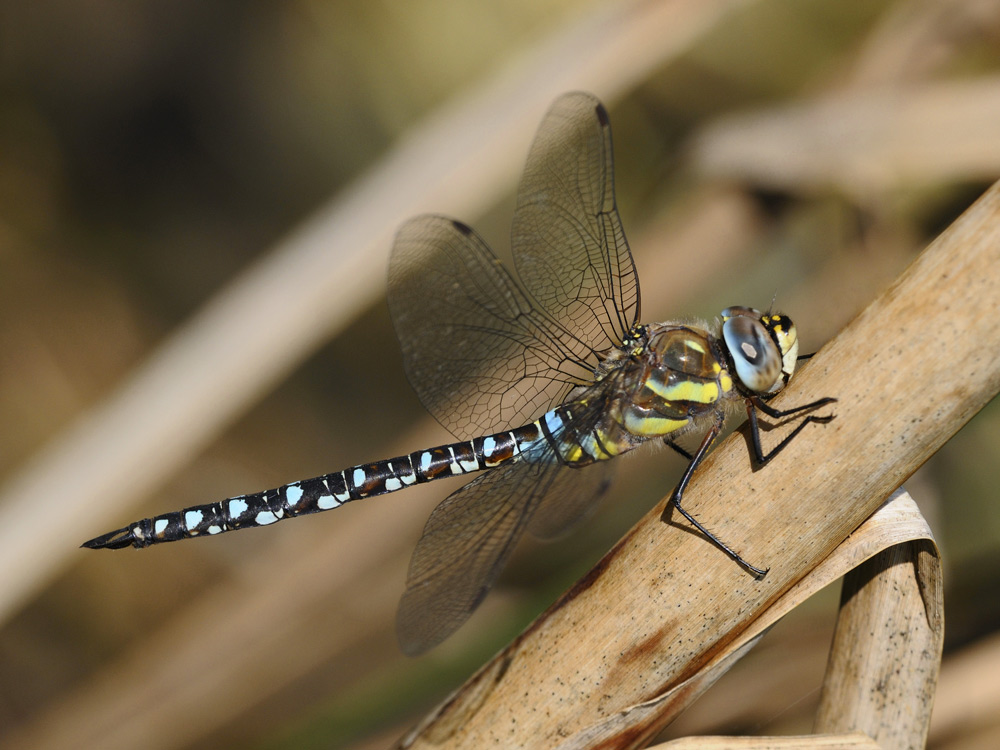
x=325 y=492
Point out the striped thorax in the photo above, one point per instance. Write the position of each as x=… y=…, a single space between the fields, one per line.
x=679 y=373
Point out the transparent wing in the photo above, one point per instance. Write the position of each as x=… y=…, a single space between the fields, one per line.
x=483 y=354
x=567 y=239
x=570 y=500
x=479 y=353
x=471 y=534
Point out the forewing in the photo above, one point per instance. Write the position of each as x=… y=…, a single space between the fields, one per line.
x=567 y=239
x=480 y=355
x=470 y=536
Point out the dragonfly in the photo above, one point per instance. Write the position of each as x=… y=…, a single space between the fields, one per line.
x=542 y=377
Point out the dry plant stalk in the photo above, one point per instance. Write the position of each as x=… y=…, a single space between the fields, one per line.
x=890 y=688
x=886 y=652
x=864 y=141
x=909 y=371
x=851 y=741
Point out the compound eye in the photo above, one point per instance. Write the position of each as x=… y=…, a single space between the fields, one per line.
x=755 y=356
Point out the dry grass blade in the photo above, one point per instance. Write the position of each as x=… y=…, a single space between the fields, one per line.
x=851 y=741
x=863 y=142
x=886 y=655
x=909 y=372
x=895 y=524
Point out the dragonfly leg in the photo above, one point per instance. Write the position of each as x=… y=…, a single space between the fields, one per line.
x=670 y=443
x=754 y=403
x=781 y=414
x=675 y=499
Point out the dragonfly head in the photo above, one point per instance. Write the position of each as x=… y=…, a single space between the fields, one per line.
x=763 y=347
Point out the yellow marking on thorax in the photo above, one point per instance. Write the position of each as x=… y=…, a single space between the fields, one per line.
x=652 y=426
x=685 y=390
x=693 y=344
x=725 y=382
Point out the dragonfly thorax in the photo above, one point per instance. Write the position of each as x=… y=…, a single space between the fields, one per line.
x=676 y=375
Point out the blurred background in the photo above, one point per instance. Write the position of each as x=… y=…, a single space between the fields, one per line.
x=197 y=202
